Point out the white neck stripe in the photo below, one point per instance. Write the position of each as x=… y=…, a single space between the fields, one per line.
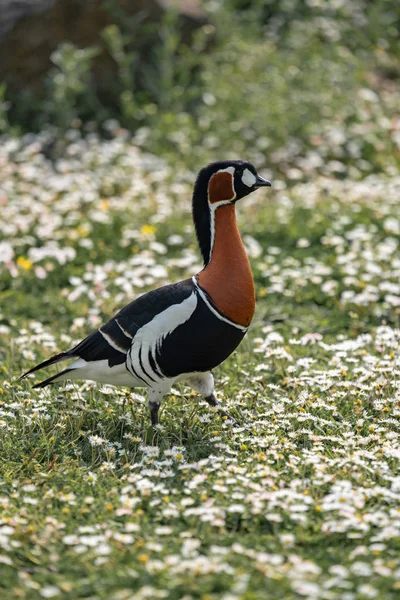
x=213 y=207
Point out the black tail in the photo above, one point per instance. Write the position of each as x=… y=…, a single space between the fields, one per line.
x=51 y=379
x=51 y=361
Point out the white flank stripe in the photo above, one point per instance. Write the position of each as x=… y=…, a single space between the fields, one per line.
x=124 y=331
x=216 y=313
x=110 y=341
x=148 y=338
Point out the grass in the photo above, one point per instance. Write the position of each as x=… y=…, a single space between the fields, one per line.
x=302 y=499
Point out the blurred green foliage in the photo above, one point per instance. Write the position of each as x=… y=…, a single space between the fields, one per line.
x=294 y=78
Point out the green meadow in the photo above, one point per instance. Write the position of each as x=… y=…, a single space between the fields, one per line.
x=302 y=499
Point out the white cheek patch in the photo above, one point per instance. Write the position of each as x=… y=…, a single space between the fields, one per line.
x=248 y=178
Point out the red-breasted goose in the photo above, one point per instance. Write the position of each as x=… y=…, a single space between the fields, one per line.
x=183 y=330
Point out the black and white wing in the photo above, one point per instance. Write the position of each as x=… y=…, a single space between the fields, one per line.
x=122 y=351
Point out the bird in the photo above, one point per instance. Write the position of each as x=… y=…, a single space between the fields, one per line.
x=180 y=331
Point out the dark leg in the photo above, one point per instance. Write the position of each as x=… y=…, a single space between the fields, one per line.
x=154 y=408
x=155 y=398
x=204 y=384
x=212 y=401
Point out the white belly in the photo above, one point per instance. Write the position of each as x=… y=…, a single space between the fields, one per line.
x=100 y=371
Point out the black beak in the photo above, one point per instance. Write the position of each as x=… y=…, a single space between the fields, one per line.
x=261 y=182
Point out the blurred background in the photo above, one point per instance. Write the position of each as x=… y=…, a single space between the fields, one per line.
x=300 y=86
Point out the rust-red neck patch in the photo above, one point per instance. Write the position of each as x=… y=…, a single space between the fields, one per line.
x=220 y=187
x=227 y=278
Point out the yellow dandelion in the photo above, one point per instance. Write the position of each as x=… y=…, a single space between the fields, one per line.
x=143 y=558
x=83 y=230
x=24 y=263
x=148 y=229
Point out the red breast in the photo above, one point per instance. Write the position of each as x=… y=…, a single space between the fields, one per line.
x=227 y=278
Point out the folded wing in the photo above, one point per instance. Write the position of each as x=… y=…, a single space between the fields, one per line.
x=112 y=341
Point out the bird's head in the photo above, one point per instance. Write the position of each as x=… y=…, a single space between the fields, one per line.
x=225 y=182
x=219 y=184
